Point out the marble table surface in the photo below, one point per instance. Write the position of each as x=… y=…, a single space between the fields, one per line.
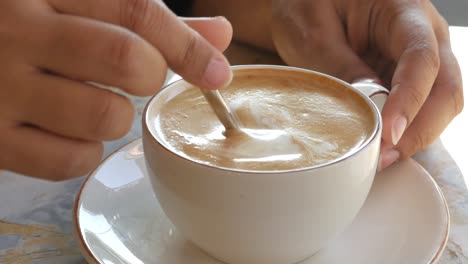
x=36 y=216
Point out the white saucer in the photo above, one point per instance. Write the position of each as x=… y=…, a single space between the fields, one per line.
x=118 y=219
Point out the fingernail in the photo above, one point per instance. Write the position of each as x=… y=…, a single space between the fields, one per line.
x=388 y=158
x=217 y=73
x=399 y=126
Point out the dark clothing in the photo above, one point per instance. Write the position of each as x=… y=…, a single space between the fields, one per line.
x=180 y=7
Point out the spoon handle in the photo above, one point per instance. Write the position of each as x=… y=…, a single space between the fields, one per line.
x=221 y=109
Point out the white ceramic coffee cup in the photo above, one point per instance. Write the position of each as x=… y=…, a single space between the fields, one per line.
x=247 y=217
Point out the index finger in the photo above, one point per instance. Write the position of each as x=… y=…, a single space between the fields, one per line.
x=415 y=50
x=185 y=51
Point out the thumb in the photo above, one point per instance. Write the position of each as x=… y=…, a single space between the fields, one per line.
x=216 y=30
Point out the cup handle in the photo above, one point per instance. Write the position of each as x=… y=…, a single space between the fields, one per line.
x=376 y=92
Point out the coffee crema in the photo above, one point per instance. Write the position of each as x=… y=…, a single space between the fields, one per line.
x=312 y=121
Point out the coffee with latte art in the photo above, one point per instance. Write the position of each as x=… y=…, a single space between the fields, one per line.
x=290 y=122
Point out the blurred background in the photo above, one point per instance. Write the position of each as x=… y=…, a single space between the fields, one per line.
x=455 y=11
